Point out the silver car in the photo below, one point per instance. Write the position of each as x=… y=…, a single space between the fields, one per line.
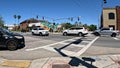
x=106 y=31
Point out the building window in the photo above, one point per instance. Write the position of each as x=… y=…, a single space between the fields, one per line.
x=111 y=16
x=112 y=27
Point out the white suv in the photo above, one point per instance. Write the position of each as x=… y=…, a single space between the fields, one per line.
x=40 y=31
x=80 y=31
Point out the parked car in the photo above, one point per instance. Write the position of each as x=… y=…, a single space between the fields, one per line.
x=10 y=40
x=106 y=31
x=80 y=31
x=40 y=31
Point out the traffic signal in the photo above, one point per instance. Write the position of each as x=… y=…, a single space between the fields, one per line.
x=53 y=23
x=37 y=16
x=43 y=17
x=71 y=18
x=105 y=1
x=78 y=18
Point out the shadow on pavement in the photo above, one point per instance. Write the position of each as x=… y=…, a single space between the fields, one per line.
x=74 y=42
x=74 y=60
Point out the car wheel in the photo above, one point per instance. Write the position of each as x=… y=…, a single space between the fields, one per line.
x=113 y=35
x=40 y=34
x=97 y=34
x=80 y=34
x=12 y=45
x=47 y=35
x=65 y=34
x=32 y=33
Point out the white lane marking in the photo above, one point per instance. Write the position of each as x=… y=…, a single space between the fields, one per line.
x=67 y=52
x=31 y=49
x=86 y=41
x=64 y=51
x=116 y=38
x=85 y=48
x=79 y=45
x=76 y=45
x=50 y=49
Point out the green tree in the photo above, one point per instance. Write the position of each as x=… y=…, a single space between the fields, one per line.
x=1 y=22
x=85 y=25
x=92 y=27
x=67 y=25
x=76 y=24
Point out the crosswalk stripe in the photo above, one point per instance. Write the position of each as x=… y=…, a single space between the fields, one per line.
x=85 y=48
x=116 y=38
x=31 y=49
x=64 y=51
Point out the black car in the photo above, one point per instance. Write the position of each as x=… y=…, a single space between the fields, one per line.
x=10 y=40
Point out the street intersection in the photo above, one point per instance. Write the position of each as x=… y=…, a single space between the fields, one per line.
x=57 y=45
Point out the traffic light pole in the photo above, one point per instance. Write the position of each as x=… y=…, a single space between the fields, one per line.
x=102 y=5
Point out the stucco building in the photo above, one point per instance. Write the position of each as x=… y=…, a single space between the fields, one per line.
x=111 y=18
x=29 y=23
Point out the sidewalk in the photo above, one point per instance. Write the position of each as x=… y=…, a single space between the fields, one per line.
x=105 y=61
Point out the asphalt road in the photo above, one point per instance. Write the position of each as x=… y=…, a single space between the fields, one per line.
x=56 y=45
x=106 y=41
x=104 y=45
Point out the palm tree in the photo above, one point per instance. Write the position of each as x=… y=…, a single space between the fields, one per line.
x=15 y=16
x=18 y=18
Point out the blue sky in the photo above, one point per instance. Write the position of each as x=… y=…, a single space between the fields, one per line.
x=89 y=10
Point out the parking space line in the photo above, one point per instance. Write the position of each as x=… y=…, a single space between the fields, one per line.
x=85 y=48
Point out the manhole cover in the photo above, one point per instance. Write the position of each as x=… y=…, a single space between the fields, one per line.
x=60 y=66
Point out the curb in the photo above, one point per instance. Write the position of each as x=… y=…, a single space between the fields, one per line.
x=104 y=61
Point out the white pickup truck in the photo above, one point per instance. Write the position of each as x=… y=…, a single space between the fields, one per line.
x=106 y=31
x=40 y=31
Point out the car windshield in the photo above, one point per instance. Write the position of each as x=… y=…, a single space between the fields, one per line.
x=6 y=31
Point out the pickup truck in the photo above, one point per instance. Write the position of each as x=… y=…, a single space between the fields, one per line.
x=106 y=31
